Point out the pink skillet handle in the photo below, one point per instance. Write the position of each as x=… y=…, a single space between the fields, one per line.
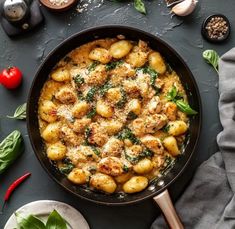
x=164 y=202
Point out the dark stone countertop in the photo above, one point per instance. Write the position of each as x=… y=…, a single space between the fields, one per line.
x=28 y=51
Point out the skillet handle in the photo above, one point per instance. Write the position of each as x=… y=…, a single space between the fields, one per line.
x=164 y=202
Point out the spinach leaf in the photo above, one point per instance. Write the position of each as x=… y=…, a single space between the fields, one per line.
x=10 y=149
x=31 y=222
x=105 y=88
x=121 y=103
x=211 y=57
x=174 y=96
x=95 y=150
x=112 y=65
x=20 y=112
x=87 y=135
x=153 y=76
x=125 y=169
x=79 y=80
x=184 y=107
x=91 y=113
x=131 y=116
x=139 y=6
x=92 y=66
x=67 y=166
x=127 y=134
x=55 y=221
x=91 y=94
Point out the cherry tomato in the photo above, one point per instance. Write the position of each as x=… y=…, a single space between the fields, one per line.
x=11 y=77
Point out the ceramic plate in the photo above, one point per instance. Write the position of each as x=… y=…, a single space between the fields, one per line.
x=43 y=208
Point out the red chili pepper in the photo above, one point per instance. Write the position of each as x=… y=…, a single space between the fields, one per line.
x=13 y=186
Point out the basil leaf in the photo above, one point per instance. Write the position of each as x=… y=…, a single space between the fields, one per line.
x=20 y=112
x=31 y=222
x=55 y=221
x=139 y=6
x=10 y=148
x=212 y=58
x=184 y=107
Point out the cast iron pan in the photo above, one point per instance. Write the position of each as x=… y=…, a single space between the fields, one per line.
x=160 y=186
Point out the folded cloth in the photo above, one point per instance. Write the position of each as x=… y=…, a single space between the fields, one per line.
x=209 y=201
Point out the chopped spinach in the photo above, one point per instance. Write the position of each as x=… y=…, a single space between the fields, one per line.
x=125 y=169
x=91 y=94
x=165 y=128
x=87 y=135
x=131 y=116
x=78 y=79
x=153 y=76
x=95 y=150
x=112 y=65
x=104 y=88
x=134 y=159
x=92 y=66
x=67 y=166
x=146 y=153
x=91 y=113
x=121 y=103
x=127 y=134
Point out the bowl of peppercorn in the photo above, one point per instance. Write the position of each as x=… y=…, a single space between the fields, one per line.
x=216 y=28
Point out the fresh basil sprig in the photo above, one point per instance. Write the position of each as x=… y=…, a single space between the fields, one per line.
x=212 y=58
x=54 y=221
x=139 y=6
x=20 y=112
x=174 y=96
x=10 y=148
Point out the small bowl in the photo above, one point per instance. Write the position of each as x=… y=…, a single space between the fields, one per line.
x=62 y=7
x=205 y=33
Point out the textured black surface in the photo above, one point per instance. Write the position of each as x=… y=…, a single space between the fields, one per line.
x=29 y=50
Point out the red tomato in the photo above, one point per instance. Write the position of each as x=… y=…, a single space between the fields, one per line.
x=11 y=77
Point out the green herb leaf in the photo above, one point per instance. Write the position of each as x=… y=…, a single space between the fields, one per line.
x=20 y=112
x=139 y=6
x=91 y=113
x=55 y=221
x=112 y=65
x=10 y=149
x=153 y=76
x=95 y=150
x=105 y=88
x=87 y=135
x=78 y=79
x=172 y=94
x=131 y=116
x=31 y=222
x=127 y=134
x=211 y=57
x=67 y=166
x=125 y=169
x=123 y=100
x=91 y=94
x=92 y=66
x=184 y=107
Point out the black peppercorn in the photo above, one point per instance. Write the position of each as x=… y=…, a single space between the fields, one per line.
x=216 y=28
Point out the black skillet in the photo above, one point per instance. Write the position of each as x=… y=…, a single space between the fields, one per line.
x=157 y=190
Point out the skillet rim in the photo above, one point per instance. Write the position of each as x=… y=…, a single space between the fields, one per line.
x=192 y=79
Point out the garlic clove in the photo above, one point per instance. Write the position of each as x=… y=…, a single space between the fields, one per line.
x=184 y=8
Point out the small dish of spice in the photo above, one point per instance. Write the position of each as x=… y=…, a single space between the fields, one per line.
x=216 y=28
x=58 y=5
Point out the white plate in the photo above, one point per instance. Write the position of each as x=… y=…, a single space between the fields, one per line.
x=43 y=208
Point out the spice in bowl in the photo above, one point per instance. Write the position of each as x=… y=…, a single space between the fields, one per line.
x=216 y=28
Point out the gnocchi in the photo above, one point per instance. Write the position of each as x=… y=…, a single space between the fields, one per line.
x=135 y=184
x=107 y=114
x=120 y=49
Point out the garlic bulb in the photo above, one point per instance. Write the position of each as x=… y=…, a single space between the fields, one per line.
x=184 y=8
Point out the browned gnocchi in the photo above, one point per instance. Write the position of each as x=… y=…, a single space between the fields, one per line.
x=108 y=122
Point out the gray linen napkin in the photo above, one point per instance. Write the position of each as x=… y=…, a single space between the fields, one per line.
x=209 y=201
